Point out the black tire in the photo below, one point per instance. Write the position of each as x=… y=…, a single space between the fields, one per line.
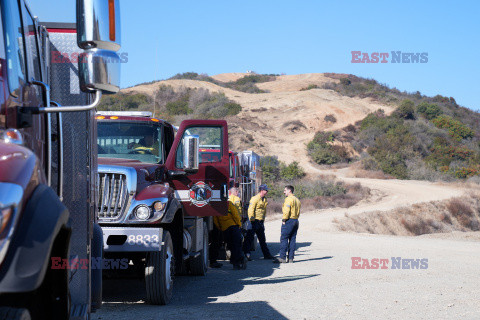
x=159 y=272
x=14 y=314
x=199 y=265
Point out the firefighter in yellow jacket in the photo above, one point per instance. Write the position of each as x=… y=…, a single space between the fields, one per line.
x=256 y=214
x=235 y=199
x=230 y=227
x=288 y=238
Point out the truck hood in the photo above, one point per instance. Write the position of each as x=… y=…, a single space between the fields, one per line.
x=147 y=173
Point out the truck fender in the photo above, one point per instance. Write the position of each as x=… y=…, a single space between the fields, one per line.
x=28 y=257
x=173 y=207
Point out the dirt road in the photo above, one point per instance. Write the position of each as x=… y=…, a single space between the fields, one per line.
x=321 y=284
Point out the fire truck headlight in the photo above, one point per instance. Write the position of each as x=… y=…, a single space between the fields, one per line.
x=142 y=212
x=159 y=206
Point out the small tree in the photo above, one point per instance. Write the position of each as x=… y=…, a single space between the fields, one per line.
x=406 y=110
x=270 y=168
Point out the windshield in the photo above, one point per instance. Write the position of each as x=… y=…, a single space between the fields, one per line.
x=130 y=140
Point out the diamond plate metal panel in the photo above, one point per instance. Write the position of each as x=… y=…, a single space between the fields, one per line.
x=79 y=136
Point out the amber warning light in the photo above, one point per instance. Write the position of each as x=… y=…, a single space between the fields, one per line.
x=111 y=18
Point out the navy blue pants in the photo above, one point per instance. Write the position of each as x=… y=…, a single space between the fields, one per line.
x=259 y=229
x=233 y=237
x=288 y=239
x=215 y=238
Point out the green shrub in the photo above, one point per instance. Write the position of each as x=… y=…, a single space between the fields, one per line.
x=321 y=150
x=123 y=102
x=443 y=154
x=291 y=172
x=254 y=78
x=323 y=137
x=456 y=129
x=429 y=110
x=406 y=110
x=323 y=155
x=270 y=168
x=345 y=81
x=178 y=107
x=310 y=87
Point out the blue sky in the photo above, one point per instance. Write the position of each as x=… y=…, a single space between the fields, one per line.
x=163 y=38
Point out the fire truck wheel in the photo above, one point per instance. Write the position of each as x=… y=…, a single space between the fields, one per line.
x=14 y=314
x=199 y=265
x=159 y=272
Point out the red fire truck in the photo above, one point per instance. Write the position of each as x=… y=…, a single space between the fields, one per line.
x=52 y=76
x=157 y=197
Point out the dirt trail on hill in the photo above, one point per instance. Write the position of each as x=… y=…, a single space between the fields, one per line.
x=385 y=194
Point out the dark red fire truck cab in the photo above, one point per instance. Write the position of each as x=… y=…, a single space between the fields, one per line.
x=156 y=196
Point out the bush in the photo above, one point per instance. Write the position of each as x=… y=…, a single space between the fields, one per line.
x=324 y=155
x=270 y=169
x=310 y=87
x=330 y=118
x=291 y=172
x=178 y=107
x=123 y=102
x=456 y=129
x=322 y=151
x=254 y=78
x=429 y=110
x=345 y=81
x=406 y=110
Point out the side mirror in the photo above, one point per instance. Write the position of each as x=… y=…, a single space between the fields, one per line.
x=98 y=33
x=190 y=153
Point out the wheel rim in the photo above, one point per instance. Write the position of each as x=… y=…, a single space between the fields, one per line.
x=168 y=268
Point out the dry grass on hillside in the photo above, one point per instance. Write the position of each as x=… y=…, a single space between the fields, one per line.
x=354 y=193
x=456 y=214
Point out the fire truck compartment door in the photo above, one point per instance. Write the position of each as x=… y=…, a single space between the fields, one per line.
x=205 y=192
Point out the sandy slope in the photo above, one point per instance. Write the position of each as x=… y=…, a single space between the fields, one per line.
x=282 y=121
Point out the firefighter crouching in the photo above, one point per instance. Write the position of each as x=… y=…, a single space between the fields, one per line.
x=230 y=227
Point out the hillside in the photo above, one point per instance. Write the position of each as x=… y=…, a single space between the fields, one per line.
x=283 y=120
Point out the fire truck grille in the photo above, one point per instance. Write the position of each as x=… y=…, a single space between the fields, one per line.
x=113 y=195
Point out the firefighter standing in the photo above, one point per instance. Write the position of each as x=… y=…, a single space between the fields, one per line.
x=235 y=199
x=288 y=238
x=230 y=227
x=256 y=214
